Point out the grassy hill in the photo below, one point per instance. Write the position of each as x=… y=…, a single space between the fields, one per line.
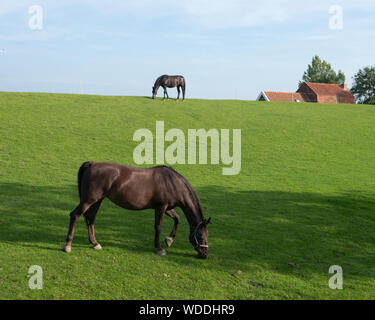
x=304 y=200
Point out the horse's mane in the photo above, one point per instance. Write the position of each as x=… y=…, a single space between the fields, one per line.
x=158 y=80
x=191 y=191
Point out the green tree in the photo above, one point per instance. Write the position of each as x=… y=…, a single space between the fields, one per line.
x=364 y=85
x=322 y=72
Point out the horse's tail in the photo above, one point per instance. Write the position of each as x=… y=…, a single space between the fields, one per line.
x=81 y=170
x=183 y=85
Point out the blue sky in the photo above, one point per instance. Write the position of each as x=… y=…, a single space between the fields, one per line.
x=225 y=49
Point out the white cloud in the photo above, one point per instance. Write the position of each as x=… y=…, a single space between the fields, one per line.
x=221 y=14
x=319 y=37
x=8 y=6
x=216 y=14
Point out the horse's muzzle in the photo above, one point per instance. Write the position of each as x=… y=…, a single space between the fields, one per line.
x=202 y=255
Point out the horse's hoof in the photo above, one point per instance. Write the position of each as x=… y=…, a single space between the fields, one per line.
x=168 y=241
x=162 y=252
x=67 y=248
x=97 y=247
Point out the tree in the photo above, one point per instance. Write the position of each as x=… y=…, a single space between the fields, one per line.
x=364 y=85
x=321 y=71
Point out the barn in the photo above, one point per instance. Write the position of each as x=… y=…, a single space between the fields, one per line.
x=312 y=92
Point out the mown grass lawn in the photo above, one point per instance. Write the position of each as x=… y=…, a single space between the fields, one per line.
x=304 y=200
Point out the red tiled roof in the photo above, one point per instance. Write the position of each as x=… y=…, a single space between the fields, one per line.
x=284 y=96
x=325 y=89
x=331 y=90
x=314 y=92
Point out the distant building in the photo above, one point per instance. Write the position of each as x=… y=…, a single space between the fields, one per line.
x=312 y=92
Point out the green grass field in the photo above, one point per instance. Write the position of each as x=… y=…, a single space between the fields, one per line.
x=304 y=200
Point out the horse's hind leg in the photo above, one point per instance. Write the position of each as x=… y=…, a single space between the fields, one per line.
x=178 y=92
x=74 y=216
x=90 y=216
x=169 y=240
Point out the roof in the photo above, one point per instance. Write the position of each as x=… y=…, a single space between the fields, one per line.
x=326 y=89
x=284 y=96
x=312 y=92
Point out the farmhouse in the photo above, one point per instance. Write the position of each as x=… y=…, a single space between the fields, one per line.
x=312 y=92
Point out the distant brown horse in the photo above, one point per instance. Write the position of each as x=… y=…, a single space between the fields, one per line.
x=165 y=82
x=160 y=188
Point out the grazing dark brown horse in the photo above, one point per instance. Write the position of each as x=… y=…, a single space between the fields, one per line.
x=165 y=82
x=160 y=188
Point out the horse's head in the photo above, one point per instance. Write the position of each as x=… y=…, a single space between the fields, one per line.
x=199 y=238
x=153 y=93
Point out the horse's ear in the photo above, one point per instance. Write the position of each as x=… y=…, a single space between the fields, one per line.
x=208 y=221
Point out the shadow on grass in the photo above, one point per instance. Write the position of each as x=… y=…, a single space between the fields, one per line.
x=284 y=231
x=38 y=216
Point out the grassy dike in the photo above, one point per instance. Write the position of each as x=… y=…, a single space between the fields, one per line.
x=303 y=201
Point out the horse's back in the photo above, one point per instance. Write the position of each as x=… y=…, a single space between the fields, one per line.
x=173 y=81
x=147 y=188
x=131 y=187
x=127 y=186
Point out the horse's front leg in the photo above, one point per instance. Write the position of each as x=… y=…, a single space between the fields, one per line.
x=169 y=240
x=165 y=93
x=159 y=213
